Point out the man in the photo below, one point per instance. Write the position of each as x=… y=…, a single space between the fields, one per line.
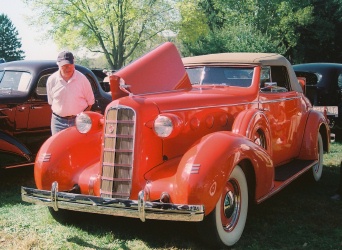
x=69 y=93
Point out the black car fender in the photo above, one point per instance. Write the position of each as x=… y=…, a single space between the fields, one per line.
x=10 y=145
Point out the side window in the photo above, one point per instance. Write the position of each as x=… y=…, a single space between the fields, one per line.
x=13 y=80
x=280 y=76
x=195 y=75
x=275 y=79
x=311 y=79
x=265 y=76
x=41 y=86
x=340 y=81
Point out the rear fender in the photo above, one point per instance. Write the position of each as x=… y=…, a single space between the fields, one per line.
x=16 y=151
x=249 y=123
x=202 y=172
x=69 y=158
x=316 y=124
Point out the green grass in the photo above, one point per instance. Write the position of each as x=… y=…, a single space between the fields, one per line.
x=301 y=216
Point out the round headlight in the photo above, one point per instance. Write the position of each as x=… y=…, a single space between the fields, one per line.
x=163 y=126
x=83 y=123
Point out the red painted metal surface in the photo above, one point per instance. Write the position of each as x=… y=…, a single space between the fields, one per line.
x=216 y=127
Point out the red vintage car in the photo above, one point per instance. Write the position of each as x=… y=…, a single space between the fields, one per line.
x=192 y=139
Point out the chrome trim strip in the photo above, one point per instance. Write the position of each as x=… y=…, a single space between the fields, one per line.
x=281 y=99
x=232 y=105
x=118 y=207
x=19 y=165
x=44 y=157
x=212 y=106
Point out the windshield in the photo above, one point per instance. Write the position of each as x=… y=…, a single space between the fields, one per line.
x=230 y=76
x=14 y=82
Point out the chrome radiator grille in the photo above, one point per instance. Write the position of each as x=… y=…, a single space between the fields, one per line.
x=117 y=164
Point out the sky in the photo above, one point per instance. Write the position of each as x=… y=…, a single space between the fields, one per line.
x=34 y=47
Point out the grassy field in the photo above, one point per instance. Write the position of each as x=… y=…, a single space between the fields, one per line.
x=301 y=216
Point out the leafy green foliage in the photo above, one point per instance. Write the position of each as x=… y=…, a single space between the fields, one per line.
x=118 y=29
x=122 y=30
x=322 y=35
x=249 y=26
x=10 y=43
x=239 y=38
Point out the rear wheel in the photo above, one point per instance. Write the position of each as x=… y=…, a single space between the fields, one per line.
x=317 y=169
x=225 y=224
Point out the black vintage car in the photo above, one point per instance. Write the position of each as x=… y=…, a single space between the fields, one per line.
x=25 y=114
x=324 y=89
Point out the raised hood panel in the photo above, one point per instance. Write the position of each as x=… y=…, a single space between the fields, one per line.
x=160 y=70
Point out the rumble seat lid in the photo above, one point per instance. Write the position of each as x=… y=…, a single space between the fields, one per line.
x=160 y=70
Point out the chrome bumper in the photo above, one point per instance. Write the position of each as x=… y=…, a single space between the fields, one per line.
x=118 y=207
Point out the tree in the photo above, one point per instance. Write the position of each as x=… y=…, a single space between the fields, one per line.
x=119 y=29
x=246 y=25
x=321 y=40
x=10 y=43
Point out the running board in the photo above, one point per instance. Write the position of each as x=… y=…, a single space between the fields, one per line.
x=287 y=173
x=288 y=170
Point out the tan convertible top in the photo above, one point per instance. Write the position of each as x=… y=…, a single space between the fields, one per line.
x=263 y=59
x=236 y=58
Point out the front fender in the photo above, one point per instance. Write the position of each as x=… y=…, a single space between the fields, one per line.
x=15 y=151
x=66 y=157
x=203 y=170
x=316 y=123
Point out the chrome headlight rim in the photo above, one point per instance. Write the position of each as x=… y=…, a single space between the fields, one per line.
x=163 y=126
x=83 y=123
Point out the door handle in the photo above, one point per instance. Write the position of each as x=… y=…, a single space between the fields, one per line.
x=36 y=107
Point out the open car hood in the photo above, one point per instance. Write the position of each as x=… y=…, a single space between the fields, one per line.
x=159 y=70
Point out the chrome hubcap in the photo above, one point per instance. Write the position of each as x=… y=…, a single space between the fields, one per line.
x=231 y=205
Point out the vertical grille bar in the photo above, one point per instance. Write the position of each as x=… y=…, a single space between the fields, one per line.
x=118 y=152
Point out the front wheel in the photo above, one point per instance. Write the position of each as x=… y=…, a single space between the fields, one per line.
x=225 y=224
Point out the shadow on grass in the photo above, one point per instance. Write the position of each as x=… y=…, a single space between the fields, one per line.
x=300 y=216
x=80 y=242
x=154 y=234
x=11 y=181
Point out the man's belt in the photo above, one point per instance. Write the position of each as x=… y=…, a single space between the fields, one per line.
x=65 y=117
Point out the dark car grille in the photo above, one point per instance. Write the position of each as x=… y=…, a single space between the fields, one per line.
x=117 y=163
